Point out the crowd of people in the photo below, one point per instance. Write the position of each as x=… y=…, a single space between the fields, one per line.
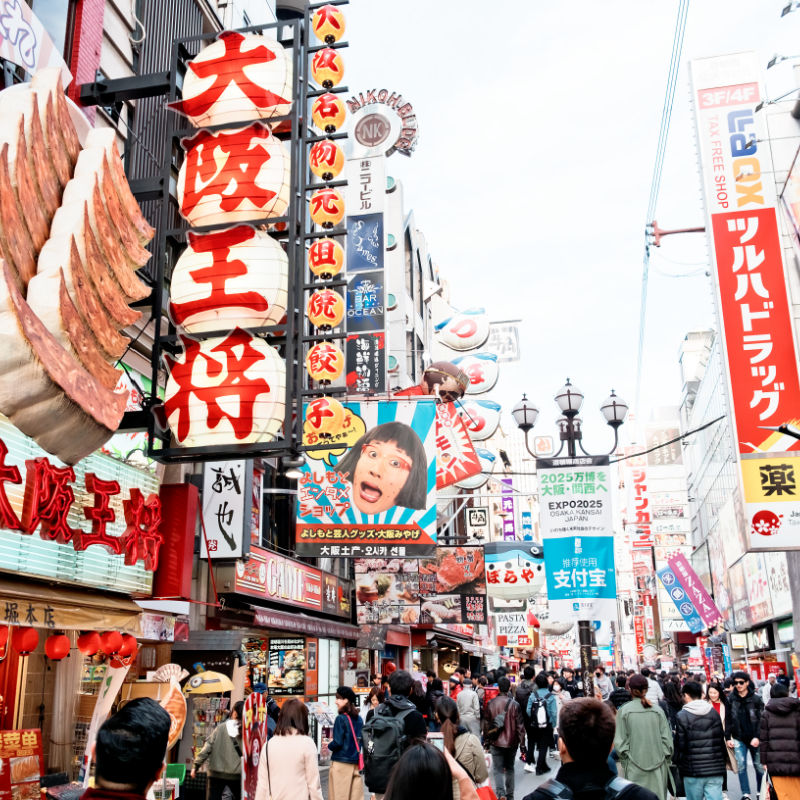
x=645 y=735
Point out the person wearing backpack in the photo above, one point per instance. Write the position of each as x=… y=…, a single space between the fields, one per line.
x=505 y=732
x=394 y=725
x=542 y=713
x=586 y=734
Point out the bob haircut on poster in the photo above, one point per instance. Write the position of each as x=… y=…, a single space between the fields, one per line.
x=415 y=490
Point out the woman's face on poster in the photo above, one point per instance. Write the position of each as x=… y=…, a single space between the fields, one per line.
x=380 y=475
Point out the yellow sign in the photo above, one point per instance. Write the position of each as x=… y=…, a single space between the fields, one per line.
x=771 y=480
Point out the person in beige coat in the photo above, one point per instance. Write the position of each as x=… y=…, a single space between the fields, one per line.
x=287 y=769
x=463 y=751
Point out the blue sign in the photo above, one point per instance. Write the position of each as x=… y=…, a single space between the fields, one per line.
x=726 y=659
x=681 y=599
x=527 y=526
x=365 y=243
x=365 y=304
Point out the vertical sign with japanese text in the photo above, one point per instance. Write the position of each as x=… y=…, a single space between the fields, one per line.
x=507 y=509
x=578 y=537
x=755 y=317
x=365 y=356
x=227 y=509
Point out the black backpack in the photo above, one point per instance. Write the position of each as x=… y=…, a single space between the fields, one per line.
x=497 y=724
x=554 y=790
x=521 y=696
x=538 y=716
x=384 y=740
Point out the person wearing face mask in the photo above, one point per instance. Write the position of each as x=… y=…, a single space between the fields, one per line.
x=223 y=752
x=603 y=682
x=746 y=710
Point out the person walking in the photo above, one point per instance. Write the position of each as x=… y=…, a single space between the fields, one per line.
x=603 y=682
x=620 y=695
x=435 y=692
x=344 y=777
x=746 y=710
x=572 y=686
x=699 y=746
x=643 y=740
x=129 y=752
x=465 y=747
x=654 y=692
x=586 y=728
x=779 y=742
x=522 y=694
x=469 y=708
x=715 y=695
x=374 y=699
x=506 y=733
x=287 y=767
x=422 y=773
x=223 y=752
x=542 y=713
x=672 y=704
x=766 y=689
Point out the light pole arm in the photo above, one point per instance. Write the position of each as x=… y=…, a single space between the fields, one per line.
x=534 y=456
x=613 y=449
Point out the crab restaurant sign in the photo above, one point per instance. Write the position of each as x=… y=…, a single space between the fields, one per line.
x=383 y=120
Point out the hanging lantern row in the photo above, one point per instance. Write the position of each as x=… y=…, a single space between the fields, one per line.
x=328 y=24
x=25 y=639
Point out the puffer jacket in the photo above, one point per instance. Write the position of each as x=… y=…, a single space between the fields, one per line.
x=699 y=741
x=745 y=715
x=513 y=732
x=779 y=736
x=618 y=698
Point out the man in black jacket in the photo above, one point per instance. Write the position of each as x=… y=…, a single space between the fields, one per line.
x=570 y=684
x=620 y=695
x=586 y=734
x=699 y=746
x=521 y=696
x=746 y=710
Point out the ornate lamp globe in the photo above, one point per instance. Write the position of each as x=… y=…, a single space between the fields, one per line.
x=525 y=414
x=569 y=399
x=614 y=409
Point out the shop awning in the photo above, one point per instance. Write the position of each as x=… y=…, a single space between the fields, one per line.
x=303 y=624
x=43 y=606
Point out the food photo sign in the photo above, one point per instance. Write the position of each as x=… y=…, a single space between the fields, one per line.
x=287 y=666
x=372 y=492
x=452 y=587
x=387 y=591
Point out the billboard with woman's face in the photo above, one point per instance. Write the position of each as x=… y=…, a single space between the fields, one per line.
x=372 y=493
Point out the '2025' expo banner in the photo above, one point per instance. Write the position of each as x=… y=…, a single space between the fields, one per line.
x=372 y=493
x=757 y=331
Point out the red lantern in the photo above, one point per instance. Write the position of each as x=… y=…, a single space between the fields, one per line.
x=328 y=112
x=325 y=308
x=110 y=642
x=324 y=417
x=326 y=159
x=325 y=258
x=327 y=67
x=327 y=207
x=25 y=640
x=328 y=24
x=57 y=647
x=129 y=645
x=3 y=635
x=89 y=643
x=325 y=362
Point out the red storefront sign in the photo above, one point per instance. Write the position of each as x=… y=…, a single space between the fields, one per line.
x=642 y=536
x=20 y=763
x=267 y=575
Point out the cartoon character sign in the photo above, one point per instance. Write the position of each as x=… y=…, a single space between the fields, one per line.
x=514 y=570
x=372 y=492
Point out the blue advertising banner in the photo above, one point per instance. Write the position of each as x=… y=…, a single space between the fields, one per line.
x=526 y=518
x=578 y=537
x=365 y=302
x=681 y=599
x=365 y=240
x=372 y=492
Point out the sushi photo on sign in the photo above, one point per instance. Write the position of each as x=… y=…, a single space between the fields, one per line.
x=452 y=586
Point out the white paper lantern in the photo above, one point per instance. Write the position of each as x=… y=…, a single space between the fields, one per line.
x=228 y=279
x=232 y=176
x=464 y=331
x=488 y=460
x=481 y=418
x=226 y=390
x=239 y=77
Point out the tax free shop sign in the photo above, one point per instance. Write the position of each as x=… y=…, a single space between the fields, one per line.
x=578 y=538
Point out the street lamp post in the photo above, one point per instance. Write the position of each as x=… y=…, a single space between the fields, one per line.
x=569 y=400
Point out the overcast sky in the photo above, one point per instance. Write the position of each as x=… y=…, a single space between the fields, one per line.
x=538 y=130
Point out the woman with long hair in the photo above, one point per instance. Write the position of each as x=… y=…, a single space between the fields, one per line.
x=672 y=703
x=644 y=740
x=344 y=778
x=715 y=695
x=374 y=699
x=288 y=769
x=465 y=747
x=422 y=773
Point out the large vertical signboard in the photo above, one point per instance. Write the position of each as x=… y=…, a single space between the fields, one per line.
x=372 y=492
x=753 y=301
x=578 y=537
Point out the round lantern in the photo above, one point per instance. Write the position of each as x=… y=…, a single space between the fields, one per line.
x=239 y=77
x=325 y=362
x=129 y=645
x=89 y=643
x=110 y=642
x=327 y=67
x=324 y=417
x=57 y=647
x=225 y=389
x=327 y=207
x=325 y=258
x=326 y=159
x=3 y=636
x=325 y=309
x=205 y=293
x=25 y=640
x=232 y=176
x=328 y=24
x=328 y=112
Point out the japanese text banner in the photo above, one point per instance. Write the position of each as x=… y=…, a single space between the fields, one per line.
x=681 y=599
x=694 y=588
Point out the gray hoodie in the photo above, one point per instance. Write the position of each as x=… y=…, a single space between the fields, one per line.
x=698 y=707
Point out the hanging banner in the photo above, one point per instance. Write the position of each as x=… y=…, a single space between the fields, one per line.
x=639 y=515
x=254 y=736
x=452 y=586
x=681 y=599
x=227 y=509
x=507 y=505
x=24 y=41
x=514 y=570
x=578 y=537
x=456 y=459
x=372 y=493
x=694 y=588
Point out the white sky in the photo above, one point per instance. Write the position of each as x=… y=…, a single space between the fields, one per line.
x=538 y=130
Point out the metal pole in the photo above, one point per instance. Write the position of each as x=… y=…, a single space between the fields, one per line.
x=585 y=641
